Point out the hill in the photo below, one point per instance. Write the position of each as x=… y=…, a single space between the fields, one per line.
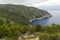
x=20 y=14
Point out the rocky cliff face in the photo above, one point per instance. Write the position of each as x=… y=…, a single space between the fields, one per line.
x=20 y=14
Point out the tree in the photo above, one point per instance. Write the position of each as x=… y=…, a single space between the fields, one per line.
x=38 y=28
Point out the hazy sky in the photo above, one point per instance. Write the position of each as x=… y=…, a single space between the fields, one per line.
x=35 y=3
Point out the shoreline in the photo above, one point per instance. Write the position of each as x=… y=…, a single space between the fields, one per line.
x=46 y=16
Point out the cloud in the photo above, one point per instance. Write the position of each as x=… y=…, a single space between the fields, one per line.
x=23 y=2
x=48 y=3
x=11 y=1
x=35 y=3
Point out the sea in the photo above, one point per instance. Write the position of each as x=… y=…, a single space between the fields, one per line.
x=54 y=19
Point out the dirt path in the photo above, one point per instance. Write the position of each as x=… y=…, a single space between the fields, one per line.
x=36 y=38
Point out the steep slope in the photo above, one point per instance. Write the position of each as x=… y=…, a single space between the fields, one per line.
x=20 y=14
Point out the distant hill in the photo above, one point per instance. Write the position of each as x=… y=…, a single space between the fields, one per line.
x=20 y=14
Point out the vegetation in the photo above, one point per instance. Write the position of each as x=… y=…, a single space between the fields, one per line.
x=14 y=20
x=13 y=31
x=20 y=14
x=46 y=36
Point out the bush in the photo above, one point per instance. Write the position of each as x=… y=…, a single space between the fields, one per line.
x=46 y=36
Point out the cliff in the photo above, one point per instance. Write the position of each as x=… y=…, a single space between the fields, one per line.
x=21 y=14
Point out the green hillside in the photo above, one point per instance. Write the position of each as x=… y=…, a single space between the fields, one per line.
x=20 y=14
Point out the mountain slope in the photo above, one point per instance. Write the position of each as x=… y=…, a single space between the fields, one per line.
x=20 y=14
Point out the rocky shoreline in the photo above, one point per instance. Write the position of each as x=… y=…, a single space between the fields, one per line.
x=46 y=16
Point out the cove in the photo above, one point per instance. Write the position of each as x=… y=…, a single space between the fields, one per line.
x=48 y=21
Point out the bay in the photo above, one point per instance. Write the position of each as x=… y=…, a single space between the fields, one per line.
x=48 y=21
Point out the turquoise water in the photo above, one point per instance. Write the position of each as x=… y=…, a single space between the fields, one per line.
x=48 y=21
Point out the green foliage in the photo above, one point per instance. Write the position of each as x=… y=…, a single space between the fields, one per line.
x=46 y=36
x=53 y=29
x=13 y=31
x=14 y=20
x=20 y=14
x=43 y=36
x=38 y=28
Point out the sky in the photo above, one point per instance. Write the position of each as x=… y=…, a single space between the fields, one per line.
x=35 y=3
